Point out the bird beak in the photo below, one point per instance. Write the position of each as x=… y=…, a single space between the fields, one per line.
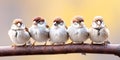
x=55 y=24
x=34 y=22
x=81 y=23
x=98 y=22
x=41 y=22
x=19 y=24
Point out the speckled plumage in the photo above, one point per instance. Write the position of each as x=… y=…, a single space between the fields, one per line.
x=77 y=31
x=99 y=33
x=58 y=32
x=18 y=34
x=39 y=30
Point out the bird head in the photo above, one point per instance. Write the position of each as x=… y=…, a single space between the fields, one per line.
x=98 y=22
x=18 y=22
x=38 y=20
x=58 y=22
x=78 y=21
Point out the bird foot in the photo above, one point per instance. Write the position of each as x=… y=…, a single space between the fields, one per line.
x=83 y=53
x=92 y=43
x=33 y=43
x=71 y=43
x=13 y=45
x=45 y=43
x=106 y=42
x=53 y=44
x=24 y=45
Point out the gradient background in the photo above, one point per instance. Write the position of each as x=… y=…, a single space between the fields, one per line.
x=49 y=9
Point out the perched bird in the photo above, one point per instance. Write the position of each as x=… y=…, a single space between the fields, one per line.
x=18 y=33
x=58 y=32
x=78 y=32
x=99 y=32
x=39 y=30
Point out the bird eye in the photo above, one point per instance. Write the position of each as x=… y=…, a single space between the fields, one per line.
x=82 y=20
x=61 y=23
x=37 y=21
x=41 y=20
x=74 y=21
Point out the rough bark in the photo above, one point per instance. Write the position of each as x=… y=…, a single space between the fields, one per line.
x=60 y=49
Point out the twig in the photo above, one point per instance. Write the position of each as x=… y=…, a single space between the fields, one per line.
x=60 y=49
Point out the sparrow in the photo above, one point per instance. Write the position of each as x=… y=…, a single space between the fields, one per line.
x=18 y=33
x=58 y=32
x=99 y=33
x=78 y=32
x=39 y=30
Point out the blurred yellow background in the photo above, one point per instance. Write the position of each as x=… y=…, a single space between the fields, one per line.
x=66 y=9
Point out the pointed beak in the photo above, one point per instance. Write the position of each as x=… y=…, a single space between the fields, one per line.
x=98 y=22
x=55 y=24
x=41 y=22
x=34 y=22
x=81 y=23
x=19 y=24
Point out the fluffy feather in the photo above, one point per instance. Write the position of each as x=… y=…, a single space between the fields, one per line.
x=18 y=34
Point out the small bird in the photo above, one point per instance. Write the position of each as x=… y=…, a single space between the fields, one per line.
x=78 y=32
x=39 y=30
x=18 y=33
x=99 y=33
x=58 y=32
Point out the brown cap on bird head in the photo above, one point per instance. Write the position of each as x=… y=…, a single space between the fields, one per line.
x=38 y=19
x=58 y=20
x=16 y=21
x=98 y=18
x=78 y=19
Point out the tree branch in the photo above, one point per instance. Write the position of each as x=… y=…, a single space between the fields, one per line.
x=60 y=49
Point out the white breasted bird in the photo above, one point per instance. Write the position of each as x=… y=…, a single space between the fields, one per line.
x=18 y=33
x=58 y=32
x=78 y=32
x=39 y=30
x=99 y=33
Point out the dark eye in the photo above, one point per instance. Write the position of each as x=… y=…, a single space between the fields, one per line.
x=81 y=21
x=98 y=20
x=74 y=21
x=37 y=21
x=41 y=20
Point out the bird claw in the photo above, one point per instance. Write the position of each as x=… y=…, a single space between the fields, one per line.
x=106 y=42
x=82 y=43
x=24 y=45
x=33 y=43
x=45 y=43
x=13 y=45
x=53 y=44
x=63 y=43
x=71 y=43
x=83 y=53
x=92 y=43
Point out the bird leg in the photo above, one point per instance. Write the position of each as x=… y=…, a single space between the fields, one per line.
x=92 y=43
x=34 y=43
x=53 y=43
x=106 y=42
x=82 y=43
x=71 y=42
x=45 y=43
x=83 y=53
x=63 y=43
x=24 y=45
x=13 y=45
